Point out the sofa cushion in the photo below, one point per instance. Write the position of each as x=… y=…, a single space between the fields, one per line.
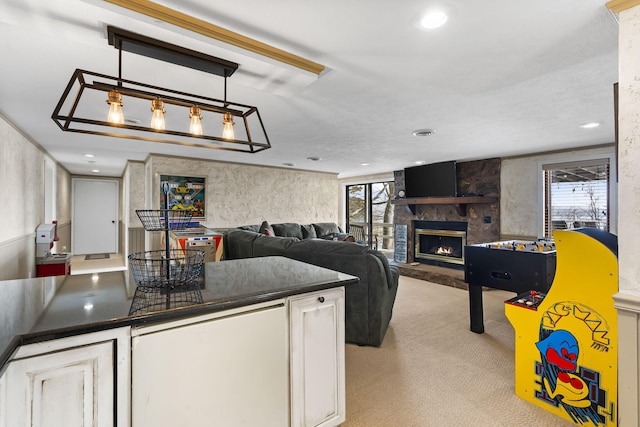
x=253 y=227
x=272 y=246
x=308 y=231
x=240 y=243
x=288 y=229
x=326 y=229
x=385 y=263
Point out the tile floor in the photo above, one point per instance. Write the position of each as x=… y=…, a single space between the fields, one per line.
x=115 y=262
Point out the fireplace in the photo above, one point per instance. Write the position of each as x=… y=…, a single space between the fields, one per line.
x=440 y=243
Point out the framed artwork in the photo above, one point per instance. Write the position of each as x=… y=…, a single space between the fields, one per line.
x=183 y=193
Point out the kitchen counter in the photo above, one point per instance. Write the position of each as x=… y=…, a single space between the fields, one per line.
x=41 y=309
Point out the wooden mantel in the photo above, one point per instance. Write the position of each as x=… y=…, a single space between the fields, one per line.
x=460 y=203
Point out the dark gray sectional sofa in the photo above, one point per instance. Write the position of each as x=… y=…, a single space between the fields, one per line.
x=368 y=304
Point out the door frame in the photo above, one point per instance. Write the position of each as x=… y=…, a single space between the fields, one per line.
x=116 y=208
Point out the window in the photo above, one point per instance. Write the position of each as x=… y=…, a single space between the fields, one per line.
x=369 y=205
x=576 y=194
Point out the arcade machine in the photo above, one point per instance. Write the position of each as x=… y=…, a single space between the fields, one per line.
x=566 y=358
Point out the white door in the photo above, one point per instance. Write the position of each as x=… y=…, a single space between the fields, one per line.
x=95 y=216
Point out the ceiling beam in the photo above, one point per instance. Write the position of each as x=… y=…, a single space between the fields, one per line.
x=622 y=5
x=207 y=29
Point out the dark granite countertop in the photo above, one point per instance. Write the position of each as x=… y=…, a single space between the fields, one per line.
x=46 y=308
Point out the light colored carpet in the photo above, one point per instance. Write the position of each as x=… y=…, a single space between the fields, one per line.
x=431 y=370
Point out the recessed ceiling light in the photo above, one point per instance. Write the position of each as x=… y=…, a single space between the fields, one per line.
x=289 y=164
x=365 y=164
x=89 y=155
x=420 y=162
x=589 y=125
x=424 y=132
x=433 y=19
x=95 y=171
x=435 y=16
x=313 y=158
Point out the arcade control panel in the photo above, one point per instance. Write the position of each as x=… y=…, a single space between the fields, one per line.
x=530 y=300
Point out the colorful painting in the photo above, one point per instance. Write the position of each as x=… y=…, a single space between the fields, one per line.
x=183 y=193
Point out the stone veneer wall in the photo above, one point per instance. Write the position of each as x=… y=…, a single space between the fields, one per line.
x=479 y=177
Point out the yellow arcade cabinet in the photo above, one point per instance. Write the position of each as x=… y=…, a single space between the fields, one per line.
x=566 y=349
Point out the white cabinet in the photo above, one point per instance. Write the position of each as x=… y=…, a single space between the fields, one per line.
x=317 y=359
x=276 y=363
x=225 y=369
x=65 y=382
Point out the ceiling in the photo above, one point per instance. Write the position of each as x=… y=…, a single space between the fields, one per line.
x=498 y=79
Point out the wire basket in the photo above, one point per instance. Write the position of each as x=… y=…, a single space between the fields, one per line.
x=164 y=219
x=166 y=269
x=146 y=300
x=165 y=279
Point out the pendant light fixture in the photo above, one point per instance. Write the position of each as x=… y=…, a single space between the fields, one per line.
x=227 y=120
x=157 y=116
x=227 y=130
x=195 y=127
x=76 y=107
x=115 y=115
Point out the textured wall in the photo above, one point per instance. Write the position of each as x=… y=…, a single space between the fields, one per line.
x=239 y=194
x=521 y=197
x=21 y=172
x=629 y=152
x=133 y=182
x=22 y=178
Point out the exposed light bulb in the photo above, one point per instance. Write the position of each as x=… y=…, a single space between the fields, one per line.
x=196 y=121
x=115 y=108
x=157 y=118
x=227 y=131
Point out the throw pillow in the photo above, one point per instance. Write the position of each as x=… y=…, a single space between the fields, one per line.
x=266 y=229
x=308 y=231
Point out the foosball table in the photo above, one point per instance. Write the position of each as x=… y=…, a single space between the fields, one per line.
x=515 y=265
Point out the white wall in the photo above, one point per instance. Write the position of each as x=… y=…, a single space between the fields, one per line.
x=521 y=197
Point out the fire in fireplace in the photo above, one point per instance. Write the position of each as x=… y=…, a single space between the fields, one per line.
x=440 y=242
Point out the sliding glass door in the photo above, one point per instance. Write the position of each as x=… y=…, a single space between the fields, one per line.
x=369 y=205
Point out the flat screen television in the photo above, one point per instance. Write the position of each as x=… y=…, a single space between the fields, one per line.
x=432 y=180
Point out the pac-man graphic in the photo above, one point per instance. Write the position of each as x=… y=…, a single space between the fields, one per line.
x=560 y=349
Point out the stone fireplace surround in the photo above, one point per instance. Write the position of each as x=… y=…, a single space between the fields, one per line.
x=483 y=220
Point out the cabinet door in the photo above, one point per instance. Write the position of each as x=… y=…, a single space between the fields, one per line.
x=68 y=388
x=230 y=371
x=317 y=359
